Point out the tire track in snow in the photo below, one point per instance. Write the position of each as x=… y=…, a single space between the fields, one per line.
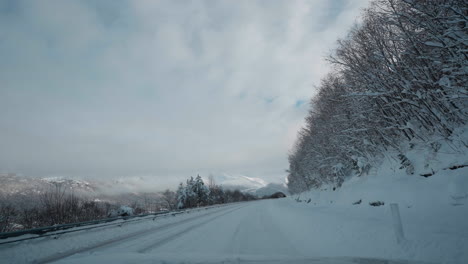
x=271 y=224
x=121 y=239
x=183 y=231
x=257 y=233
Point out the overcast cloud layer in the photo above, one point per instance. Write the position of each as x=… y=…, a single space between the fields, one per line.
x=162 y=88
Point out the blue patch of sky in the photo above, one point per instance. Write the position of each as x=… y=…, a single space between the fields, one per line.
x=329 y=14
x=242 y=95
x=270 y=100
x=111 y=13
x=299 y=103
x=8 y=7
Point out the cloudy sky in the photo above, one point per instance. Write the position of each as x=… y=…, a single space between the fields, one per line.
x=165 y=89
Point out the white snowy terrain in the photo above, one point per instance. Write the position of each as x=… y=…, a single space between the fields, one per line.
x=324 y=227
x=319 y=226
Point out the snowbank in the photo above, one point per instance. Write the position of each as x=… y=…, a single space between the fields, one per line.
x=434 y=207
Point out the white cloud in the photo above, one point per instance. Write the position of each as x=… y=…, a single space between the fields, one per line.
x=163 y=88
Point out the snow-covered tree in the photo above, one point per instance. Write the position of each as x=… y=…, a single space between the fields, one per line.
x=401 y=75
x=191 y=199
x=194 y=193
x=217 y=195
x=181 y=197
x=202 y=191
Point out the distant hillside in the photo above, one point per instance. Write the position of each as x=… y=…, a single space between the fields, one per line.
x=12 y=184
x=240 y=182
x=24 y=191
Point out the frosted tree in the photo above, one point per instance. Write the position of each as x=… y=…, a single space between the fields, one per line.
x=170 y=198
x=181 y=197
x=217 y=195
x=191 y=199
x=202 y=191
x=399 y=76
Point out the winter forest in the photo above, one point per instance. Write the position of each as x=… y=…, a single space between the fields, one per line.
x=398 y=80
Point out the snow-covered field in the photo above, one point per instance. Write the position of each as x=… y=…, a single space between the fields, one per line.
x=328 y=229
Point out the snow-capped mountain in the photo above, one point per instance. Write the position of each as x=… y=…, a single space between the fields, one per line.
x=12 y=184
x=255 y=186
x=26 y=191
x=134 y=184
x=238 y=181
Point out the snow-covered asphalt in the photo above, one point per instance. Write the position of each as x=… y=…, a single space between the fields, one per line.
x=268 y=231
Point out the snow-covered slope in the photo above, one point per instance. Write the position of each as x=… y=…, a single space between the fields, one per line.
x=432 y=194
x=428 y=174
x=447 y=188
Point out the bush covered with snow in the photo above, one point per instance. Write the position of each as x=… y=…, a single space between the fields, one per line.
x=122 y=211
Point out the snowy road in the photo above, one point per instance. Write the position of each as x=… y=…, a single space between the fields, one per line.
x=269 y=231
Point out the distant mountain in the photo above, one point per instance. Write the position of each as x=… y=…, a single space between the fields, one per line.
x=26 y=190
x=238 y=181
x=12 y=184
x=80 y=186
x=132 y=184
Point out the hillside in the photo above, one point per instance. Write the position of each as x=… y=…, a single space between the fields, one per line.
x=397 y=91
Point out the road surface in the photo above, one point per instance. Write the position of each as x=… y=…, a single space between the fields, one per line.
x=268 y=231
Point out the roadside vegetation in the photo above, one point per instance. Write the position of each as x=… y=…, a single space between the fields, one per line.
x=195 y=193
x=399 y=83
x=59 y=205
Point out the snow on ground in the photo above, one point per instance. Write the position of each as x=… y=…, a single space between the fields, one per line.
x=434 y=211
x=44 y=249
x=322 y=226
x=268 y=231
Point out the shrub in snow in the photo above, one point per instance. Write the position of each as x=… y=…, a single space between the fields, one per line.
x=7 y=215
x=376 y=203
x=406 y=164
x=122 y=211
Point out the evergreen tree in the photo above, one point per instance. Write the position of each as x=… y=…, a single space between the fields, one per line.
x=191 y=195
x=202 y=191
x=181 y=197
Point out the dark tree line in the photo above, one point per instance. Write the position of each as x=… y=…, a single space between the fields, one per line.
x=398 y=77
